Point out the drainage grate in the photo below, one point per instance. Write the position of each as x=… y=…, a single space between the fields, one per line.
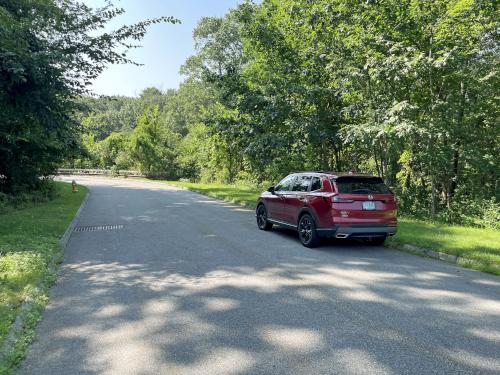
x=93 y=228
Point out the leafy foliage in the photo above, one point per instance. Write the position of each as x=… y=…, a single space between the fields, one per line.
x=49 y=53
x=407 y=90
x=153 y=146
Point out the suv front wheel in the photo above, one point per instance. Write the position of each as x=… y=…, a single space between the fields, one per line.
x=307 y=231
x=262 y=221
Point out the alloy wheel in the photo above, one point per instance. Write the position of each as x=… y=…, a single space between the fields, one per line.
x=305 y=230
x=261 y=217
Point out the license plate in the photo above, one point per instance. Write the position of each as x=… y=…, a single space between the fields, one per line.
x=368 y=205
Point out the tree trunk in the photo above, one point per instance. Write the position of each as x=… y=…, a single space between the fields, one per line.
x=324 y=157
x=336 y=151
x=453 y=183
x=456 y=151
x=383 y=160
x=433 y=198
x=376 y=161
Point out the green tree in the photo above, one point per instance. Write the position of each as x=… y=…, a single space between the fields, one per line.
x=153 y=146
x=407 y=90
x=111 y=150
x=107 y=114
x=49 y=52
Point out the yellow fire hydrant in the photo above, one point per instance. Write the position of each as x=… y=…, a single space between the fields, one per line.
x=73 y=186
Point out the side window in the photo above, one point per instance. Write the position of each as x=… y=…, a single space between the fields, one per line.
x=301 y=183
x=285 y=184
x=316 y=184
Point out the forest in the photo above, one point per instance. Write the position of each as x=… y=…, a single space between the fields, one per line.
x=154 y=279
x=404 y=89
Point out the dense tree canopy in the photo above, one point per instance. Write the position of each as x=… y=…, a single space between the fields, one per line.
x=404 y=89
x=50 y=50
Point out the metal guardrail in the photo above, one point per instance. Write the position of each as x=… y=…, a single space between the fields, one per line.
x=98 y=172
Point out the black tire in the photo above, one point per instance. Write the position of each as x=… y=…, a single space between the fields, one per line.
x=261 y=214
x=307 y=231
x=376 y=241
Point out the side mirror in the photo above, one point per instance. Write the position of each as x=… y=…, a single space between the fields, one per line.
x=271 y=190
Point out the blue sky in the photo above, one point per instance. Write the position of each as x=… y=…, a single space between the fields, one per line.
x=165 y=47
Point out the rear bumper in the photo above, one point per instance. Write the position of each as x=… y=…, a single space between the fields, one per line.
x=358 y=231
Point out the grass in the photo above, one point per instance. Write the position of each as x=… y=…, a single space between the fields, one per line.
x=29 y=247
x=478 y=244
x=243 y=195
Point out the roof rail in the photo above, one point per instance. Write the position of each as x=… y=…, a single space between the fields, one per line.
x=336 y=173
x=309 y=172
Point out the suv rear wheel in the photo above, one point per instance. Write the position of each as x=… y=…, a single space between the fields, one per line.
x=376 y=241
x=262 y=221
x=307 y=231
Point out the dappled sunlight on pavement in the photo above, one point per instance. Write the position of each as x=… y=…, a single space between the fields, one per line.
x=197 y=289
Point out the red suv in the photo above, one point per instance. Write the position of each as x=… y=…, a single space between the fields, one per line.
x=330 y=204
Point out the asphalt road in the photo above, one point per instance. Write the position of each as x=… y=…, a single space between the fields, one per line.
x=189 y=285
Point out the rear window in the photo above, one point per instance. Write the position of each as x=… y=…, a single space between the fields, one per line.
x=361 y=185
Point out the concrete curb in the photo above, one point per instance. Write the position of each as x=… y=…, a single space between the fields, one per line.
x=449 y=258
x=69 y=230
x=27 y=305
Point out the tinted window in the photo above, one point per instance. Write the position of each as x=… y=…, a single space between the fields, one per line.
x=301 y=183
x=285 y=184
x=316 y=184
x=361 y=185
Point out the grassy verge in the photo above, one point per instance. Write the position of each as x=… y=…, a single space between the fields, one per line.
x=29 y=245
x=479 y=244
x=243 y=195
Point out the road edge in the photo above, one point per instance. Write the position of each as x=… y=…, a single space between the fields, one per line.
x=69 y=230
x=407 y=248
x=28 y=306
x=194 y=190
x=448 y=258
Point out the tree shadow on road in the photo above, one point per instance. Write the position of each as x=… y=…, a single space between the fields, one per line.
x=209 y=302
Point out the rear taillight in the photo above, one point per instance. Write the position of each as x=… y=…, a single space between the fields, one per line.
x=338 y=199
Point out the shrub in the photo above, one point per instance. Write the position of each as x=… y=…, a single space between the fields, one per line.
x=463 y=210
x=45 y=191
